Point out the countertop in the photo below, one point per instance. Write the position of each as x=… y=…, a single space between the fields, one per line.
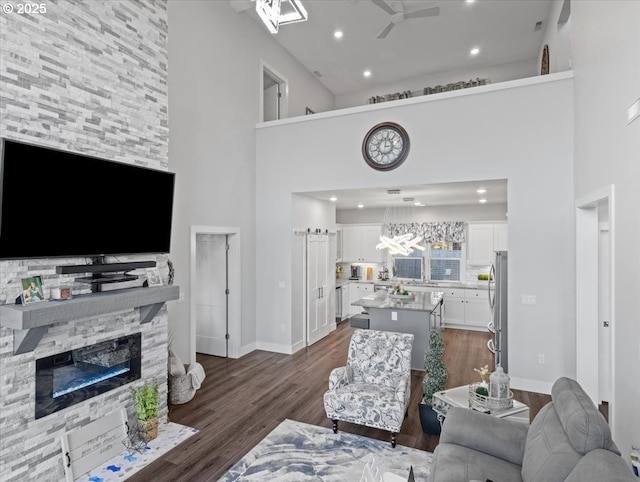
x=480 y=285
x=424 y=301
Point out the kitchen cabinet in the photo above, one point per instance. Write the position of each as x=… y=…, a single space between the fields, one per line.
x=357 y=291
x=359 y=244
x=466 y=309
x=483 y=239
x=345 y=302
x=477 y=313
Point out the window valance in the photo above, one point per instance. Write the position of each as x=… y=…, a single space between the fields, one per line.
x=433 y=232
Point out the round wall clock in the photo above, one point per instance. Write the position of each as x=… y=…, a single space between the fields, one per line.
x=385 y=146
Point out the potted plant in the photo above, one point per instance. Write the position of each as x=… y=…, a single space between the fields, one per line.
x=434 y=380
x=145 y=400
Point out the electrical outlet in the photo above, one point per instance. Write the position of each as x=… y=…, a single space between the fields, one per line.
x=280 y=284
x=541 y=358
x=180 y=297
x=394 y=316
x=528 y=299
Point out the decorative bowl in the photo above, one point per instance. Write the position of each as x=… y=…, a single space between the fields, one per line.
x=409 y=297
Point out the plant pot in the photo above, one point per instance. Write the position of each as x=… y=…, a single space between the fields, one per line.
x=149 y=427
x=429 y=419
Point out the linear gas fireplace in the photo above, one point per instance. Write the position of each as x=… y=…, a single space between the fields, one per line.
x=71 y=377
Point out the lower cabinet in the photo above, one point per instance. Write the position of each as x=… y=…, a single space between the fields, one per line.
x=345 y=302
x=466 y=309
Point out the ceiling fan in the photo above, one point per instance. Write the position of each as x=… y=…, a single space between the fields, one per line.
x=398 y=14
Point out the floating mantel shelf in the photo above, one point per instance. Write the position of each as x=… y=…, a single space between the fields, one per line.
x=30 y=322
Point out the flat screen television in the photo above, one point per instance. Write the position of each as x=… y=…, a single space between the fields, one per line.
x=60 y=204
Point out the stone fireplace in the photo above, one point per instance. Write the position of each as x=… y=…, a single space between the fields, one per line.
x=89 y=77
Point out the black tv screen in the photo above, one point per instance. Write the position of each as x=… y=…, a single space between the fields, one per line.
x=60 y=204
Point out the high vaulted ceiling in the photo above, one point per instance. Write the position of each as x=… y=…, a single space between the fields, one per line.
x=503 y=30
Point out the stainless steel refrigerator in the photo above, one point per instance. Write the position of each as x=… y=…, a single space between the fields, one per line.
x=498 y=303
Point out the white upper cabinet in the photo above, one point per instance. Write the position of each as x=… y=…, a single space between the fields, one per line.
x=483 y=240
x=359 y=244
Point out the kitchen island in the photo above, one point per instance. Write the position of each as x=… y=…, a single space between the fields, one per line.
x=416 y=316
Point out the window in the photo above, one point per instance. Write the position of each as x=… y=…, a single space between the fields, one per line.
x=445 y=261
x=409 y=267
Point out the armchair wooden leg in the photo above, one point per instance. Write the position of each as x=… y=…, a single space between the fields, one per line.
x=335 y=425
x=393 y=439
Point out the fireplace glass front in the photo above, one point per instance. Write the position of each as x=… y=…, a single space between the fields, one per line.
x=71 y=377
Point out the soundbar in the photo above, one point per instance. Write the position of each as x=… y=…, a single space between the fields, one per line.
x=104 y=268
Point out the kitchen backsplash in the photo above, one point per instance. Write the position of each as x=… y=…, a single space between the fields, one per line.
x=471 y=273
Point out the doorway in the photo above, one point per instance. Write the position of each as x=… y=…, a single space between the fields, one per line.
x=215 y=291
x=595 y=297
x=273 y=93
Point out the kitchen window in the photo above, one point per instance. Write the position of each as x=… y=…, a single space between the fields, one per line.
x=445 y=261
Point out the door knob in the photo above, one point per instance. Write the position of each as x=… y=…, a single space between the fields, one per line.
x=605 y=324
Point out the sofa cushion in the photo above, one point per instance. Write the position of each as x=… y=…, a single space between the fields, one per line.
x=583 y=423
x=455 y=463
x=599 y=465
x=548 y=454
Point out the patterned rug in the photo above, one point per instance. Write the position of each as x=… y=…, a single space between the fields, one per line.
x=296 y=451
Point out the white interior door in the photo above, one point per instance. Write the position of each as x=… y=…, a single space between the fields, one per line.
x=604 y=315
x=210 y=294
x=314 y=290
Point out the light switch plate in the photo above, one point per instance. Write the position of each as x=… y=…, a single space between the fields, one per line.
x=394 y=316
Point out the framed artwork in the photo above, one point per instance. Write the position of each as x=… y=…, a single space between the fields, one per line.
x=31 y=290
x=153 y=277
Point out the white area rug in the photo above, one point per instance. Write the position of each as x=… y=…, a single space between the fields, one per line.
x=296 y=451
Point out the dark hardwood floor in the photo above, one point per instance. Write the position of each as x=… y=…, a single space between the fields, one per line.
x=242 y=400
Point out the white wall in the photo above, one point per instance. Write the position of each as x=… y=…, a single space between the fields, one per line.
x=496 y=73
x=606 y=43
x=312 y=213
x=466 y=212
x=214 y=104
x=521 y=131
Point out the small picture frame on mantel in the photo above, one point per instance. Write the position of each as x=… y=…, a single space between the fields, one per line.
x=153 y=277
x=32 y=291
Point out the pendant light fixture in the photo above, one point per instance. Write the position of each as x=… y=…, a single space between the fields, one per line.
x=401 y=244
x=274 y=13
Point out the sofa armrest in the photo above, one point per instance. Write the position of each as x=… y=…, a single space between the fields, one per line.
x=494 y=436
x=403 y=389
x=339 y=377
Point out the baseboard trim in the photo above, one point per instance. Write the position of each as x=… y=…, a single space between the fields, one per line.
x=274 y=347
x=528 y=385
x=299 y=345
x=246 y=349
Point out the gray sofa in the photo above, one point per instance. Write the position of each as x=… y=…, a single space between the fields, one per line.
x=568 y=441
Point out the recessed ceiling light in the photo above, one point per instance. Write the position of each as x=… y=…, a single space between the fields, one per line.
x=360 y=206
x=417 y=203
x=338 y=34
x=481 y=190
x=475 y=51
x=482 y=201
x=367 y=73
x=333 y=198
x=470 y=1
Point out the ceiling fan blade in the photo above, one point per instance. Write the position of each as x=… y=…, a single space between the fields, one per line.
x=427 y=12
x=386 y=31
x=384 y=6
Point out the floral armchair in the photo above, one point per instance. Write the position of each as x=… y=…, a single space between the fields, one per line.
x=375 y=386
